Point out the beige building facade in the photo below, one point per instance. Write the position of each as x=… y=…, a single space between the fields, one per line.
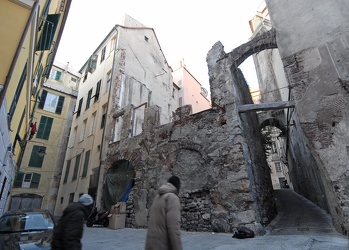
x=36 y=183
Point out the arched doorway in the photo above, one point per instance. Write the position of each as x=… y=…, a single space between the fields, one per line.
x=119 y=181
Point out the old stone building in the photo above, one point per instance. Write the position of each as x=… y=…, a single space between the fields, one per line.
x=218 y=153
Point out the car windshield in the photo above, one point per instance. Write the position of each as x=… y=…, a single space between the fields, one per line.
x=26 y=221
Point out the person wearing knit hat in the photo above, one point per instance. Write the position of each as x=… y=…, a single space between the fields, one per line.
x=68 y=232
x=86 y=199
x=164 y=225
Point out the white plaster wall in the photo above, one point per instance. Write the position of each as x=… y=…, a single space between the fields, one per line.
x=146 y=65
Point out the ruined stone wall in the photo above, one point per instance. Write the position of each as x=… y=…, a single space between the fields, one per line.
x=207 y=150
x=217 y=154
x=315 y=52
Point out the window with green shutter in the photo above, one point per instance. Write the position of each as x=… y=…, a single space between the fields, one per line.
x=44 y=127
x=79 y=108
x=36 y=160
x=76 y=168
x=87 y=159
x=98 y=89
x=35 y=180
x=67 y=169
x=48 y=32
x=88 y=99
x=18 y=180
x=58 y=75
x=60 y=105
x=51 y=102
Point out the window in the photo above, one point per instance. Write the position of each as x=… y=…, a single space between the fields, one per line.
x=92 y=123
x=79 y=107
x=88 y=99
x=117 y=128
x=83 y=129
x=76 y=168
x=103 y=54
x=73 y=137
x=98 y=88
x=107 y=86
x=55 y=74
x=37 y=79
x=112 y=44
x=273 y=148
x=29 y=180
x=50 y=102
x=278 y=167
x=87 y=159
x=67 y=169
x=44 y=127
x=92 y=63
x=71 y=197
x=104 y=114
x=36 y=160
x=48 y=32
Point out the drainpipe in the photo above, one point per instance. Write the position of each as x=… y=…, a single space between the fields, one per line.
x=33 y=14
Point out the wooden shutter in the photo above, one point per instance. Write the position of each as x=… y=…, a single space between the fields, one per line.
x=42 y=99
x=35 y=180
x=35 y=160
x=60 y=105
x=44 y=127
x=98 y=90
x=18 y=180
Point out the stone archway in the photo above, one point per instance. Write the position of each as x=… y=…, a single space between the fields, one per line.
x=119 y=181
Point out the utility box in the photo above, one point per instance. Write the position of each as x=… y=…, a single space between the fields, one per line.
x=117 y=221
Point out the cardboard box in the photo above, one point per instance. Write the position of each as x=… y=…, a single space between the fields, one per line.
x=117 y=221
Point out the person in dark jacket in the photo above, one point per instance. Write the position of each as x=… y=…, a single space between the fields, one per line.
x=68 y=232
x=164 y=225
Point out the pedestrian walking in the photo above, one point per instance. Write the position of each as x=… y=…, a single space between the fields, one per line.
x=164 y=225
x=68 y=232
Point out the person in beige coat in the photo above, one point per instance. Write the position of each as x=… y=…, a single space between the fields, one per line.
x=164 y=225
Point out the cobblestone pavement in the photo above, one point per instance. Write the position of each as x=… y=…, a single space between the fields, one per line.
x=299 y=225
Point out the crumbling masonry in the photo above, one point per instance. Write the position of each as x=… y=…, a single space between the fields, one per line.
x=218 y=153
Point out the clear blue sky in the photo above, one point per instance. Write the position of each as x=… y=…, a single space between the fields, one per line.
x=185 y=29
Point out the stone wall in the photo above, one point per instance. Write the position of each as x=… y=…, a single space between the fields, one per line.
x=314 y=51
x=217 y=154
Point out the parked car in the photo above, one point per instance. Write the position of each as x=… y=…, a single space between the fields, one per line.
x=26 y=229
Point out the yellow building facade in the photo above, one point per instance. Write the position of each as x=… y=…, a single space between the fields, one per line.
x=30 y=32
